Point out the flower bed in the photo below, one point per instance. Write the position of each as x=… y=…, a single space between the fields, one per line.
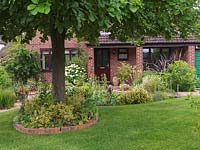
x=55 y=130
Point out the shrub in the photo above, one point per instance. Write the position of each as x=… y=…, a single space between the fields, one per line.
x=5 y=80
x=81 y=97
x=74 y=74
x=153 y=83
x=44 y=92
x=125 y=72
x=159 y=96
x=35 y=115
x=21 y=92
x=100 y=94
x=140 y=75
x=43 y=111
x=7 y=99
x=124 y=87
x=180 y=73
x=23 y=64
x=135 y=96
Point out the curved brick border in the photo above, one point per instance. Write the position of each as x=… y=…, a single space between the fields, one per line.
x=56 y=130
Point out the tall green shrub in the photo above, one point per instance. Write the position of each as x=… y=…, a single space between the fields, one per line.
x=153 y=83
x=181 y=74
x=5 y=80
x=7 y=99
x=23 y=65
x=125 y=72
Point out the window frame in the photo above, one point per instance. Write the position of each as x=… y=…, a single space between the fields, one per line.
x=149 y=59
x=48 y=50
x=70 y=53
x=118 y=53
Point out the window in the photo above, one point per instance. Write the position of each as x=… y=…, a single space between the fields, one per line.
x=122 y=54
x=46 y=59
x=70 y=55
x=151 y=55
x=145 y=54
x=155 y=54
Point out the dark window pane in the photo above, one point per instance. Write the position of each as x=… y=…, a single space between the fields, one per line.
x=69 y=55
x=145 y=54
x=122 y=54
x=166 y=52
x=155 y=54
x=105 y=58
x=99 y=60
x=45 y=60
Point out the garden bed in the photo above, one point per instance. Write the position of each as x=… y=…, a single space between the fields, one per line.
x=55 y=130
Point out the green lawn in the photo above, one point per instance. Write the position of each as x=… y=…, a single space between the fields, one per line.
x=166 y=125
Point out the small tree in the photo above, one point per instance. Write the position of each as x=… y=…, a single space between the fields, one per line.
x=23 y=64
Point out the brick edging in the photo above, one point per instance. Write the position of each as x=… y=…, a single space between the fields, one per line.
x=55 y=130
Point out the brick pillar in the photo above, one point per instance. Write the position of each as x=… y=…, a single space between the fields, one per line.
x=139 y=58
x=90 y=64
x=190 y=55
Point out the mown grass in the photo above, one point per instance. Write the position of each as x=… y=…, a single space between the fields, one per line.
x=166 y=125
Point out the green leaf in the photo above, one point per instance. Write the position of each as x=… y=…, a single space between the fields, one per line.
x=92 y=17
x=41 y=8
x=133 y=9
x=34 y=12
x=47 y=10
x=31 y=7
x=35 y=1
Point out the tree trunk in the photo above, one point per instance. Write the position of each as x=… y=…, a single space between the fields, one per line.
x=58 y=65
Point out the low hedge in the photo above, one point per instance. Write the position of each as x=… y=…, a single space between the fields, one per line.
x=7 y=99
x=134 y=96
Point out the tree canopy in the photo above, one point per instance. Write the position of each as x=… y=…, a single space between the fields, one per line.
x=125 y=19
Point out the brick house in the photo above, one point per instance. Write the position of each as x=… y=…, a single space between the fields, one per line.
x=106 y=57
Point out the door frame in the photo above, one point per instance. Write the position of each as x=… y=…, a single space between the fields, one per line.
x=96 y=62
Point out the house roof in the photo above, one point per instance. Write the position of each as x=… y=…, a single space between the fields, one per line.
x=104 y=40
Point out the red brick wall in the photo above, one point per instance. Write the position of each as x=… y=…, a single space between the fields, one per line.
x=139 y=58
x=187 y=53
x=90 y=64
x=115 y=63
x=190 y=55
x=36 y=44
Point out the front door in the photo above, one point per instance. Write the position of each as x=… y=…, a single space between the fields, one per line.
x=102 y=63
